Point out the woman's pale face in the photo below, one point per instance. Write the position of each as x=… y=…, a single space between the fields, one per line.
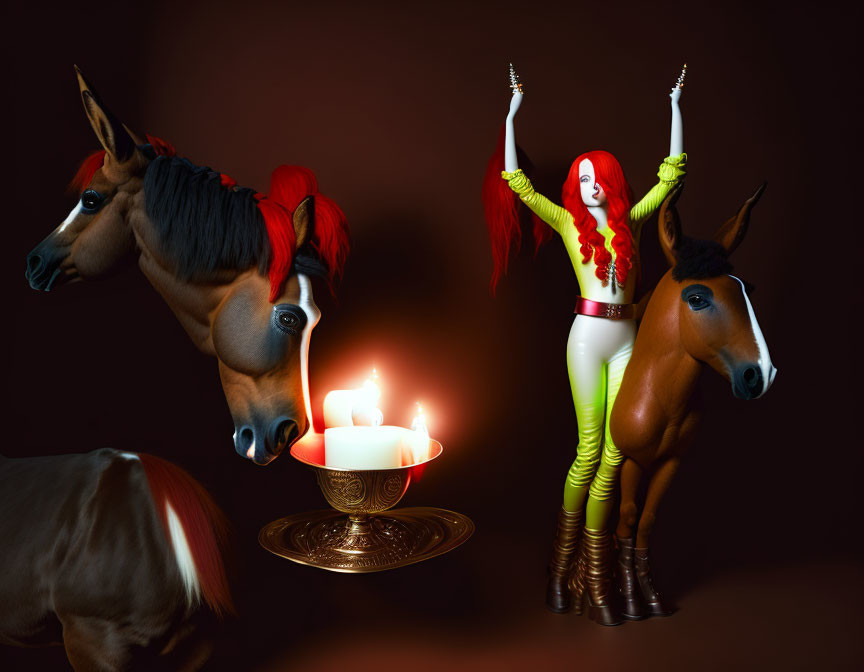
x=592 y=193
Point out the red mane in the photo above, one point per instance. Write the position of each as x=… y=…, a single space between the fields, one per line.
x=204 y=525
x=289 y=185
x=619 y=196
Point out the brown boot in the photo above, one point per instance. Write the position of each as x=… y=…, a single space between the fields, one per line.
x=646 y=584
x=563 y=548
x=598 y=577
x=634 y=609
x=577 y=578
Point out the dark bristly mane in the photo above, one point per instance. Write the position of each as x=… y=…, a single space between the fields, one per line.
x=700 y=259
x=204 y=226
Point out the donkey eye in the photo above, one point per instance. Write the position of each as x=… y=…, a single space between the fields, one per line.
x=290 y=319
x=91 y=200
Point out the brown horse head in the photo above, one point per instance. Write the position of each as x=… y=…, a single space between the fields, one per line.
x=233 y=265
x=711 y=309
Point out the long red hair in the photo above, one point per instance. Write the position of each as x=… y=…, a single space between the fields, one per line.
x=619 y=198
x=501 y=207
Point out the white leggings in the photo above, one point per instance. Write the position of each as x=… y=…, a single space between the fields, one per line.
x=597 y=354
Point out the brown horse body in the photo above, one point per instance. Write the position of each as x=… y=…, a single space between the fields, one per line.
x=91 y=562
x=697 y=315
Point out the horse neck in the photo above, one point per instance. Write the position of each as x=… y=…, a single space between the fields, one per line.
x=193 y=303
x=660 y=362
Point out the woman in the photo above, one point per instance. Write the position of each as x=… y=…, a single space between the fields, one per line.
x=600 y=228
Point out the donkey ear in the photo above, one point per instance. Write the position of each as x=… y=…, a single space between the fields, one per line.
x=302 y=220
x=733 y=231
x=669 y=225
x=111 y=133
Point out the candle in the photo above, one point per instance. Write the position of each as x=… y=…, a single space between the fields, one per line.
x=378 y=447
x=338 y=407
x=345 y=408
x=419 y=436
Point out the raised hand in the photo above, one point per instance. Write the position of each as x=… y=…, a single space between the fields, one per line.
x=510 y=162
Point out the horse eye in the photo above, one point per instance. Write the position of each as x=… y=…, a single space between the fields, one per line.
x=290 y=319
x=91 y=200
x=697 y=302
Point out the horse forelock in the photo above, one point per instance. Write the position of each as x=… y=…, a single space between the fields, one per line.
x=700 y=259
x=86 y=171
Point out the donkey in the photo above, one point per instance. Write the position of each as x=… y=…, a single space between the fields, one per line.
x=698 y=314
x=233 y=265
x=118 y=556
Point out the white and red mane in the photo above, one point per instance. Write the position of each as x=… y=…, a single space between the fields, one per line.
x=195 y=528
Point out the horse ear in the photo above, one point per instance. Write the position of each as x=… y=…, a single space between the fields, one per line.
x=111 y=133
x=733 y=231
x=669 y=224
x=302 y=219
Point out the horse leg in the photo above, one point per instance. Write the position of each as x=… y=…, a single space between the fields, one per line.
x=588 y=385
x=631 y=475
x=94 y=645
x=657 y=488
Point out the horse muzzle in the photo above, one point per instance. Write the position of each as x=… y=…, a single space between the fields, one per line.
x=748 y=382
x=263 y=445
x=43 y=266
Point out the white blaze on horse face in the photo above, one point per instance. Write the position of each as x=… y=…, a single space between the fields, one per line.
x=307 y=303
x=765 y=365
x=70 y=217
x=591 y=192
x=183 y=555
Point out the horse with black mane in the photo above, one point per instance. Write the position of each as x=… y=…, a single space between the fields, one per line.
x=118 y=556
x=234 y=265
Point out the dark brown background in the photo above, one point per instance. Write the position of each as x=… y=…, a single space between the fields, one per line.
x=397 y=108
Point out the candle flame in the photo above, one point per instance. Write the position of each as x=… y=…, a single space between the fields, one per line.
x=420 y=441
x=370 y=387
x=368 y=396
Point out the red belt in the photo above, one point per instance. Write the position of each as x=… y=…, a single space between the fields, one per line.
x=612 y=311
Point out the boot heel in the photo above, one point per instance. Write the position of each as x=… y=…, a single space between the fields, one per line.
x=603 y=615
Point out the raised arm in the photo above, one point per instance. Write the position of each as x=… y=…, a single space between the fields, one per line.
x=676 y=137
x=554 y=215
x=511 y=163
x=671 y=170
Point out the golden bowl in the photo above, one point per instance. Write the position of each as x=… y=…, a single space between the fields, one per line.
x=363 y=541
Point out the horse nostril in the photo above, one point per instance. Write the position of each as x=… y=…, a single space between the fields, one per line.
x=245 y=441
x=283 y=432
x=752 y=378
x=34 y=263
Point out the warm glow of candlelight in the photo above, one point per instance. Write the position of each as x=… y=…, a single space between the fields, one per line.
x=420 y=436
x=366 y=411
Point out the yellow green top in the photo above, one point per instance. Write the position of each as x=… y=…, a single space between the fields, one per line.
x=671 y=171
